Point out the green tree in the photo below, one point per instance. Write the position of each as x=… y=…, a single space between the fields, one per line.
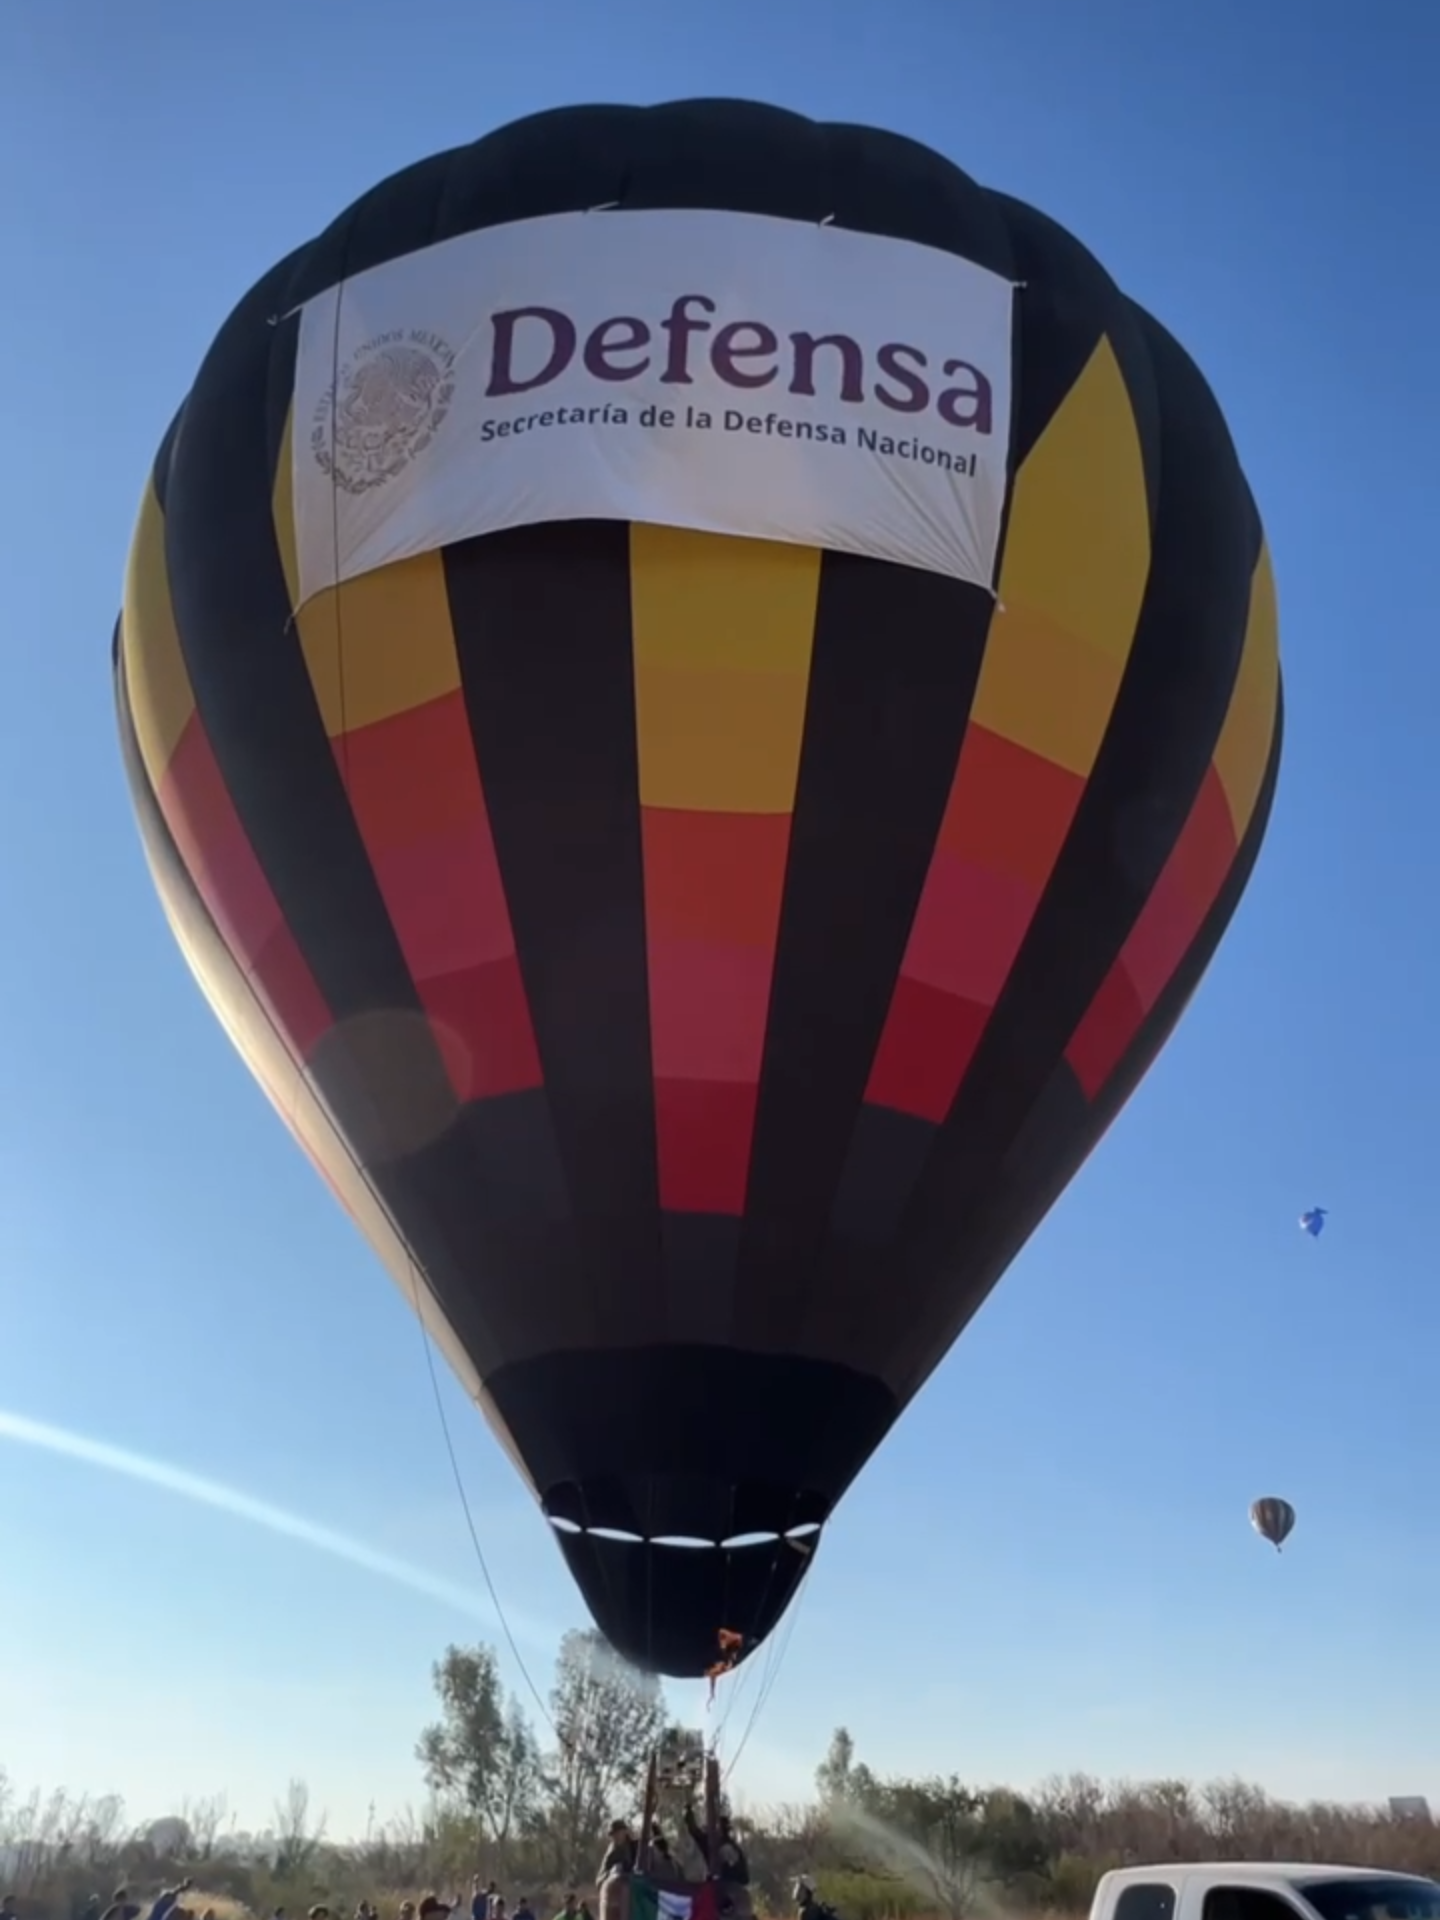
x=608 y=1720
x=845 y=1785
x=296 y=1841
x=927 y=1832
x=1011 y=1840
x=518 y=1779
x=481 y=1753
x=832 y=1776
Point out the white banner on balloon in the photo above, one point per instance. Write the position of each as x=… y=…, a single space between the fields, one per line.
x=730 y=373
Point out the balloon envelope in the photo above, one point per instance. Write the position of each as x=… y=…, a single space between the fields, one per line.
x=697 y=961
x=1272 y=1519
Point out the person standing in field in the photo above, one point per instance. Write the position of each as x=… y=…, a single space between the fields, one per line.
x=167 y=1902
x=620 y=1854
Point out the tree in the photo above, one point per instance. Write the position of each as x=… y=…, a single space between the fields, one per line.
x=927 y=1832
x=1011 y=1840
x=518 y=1778
x=482 y=1751
x=205 y=1818
x=934 y=1837
x=103 y=1826
x=295 y=1845
x=842 y=1782
x=608 y=1719
x=832 y=1776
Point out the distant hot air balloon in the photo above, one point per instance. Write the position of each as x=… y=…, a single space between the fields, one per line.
x=1272 y=1519
x=1312 y=1221
x=700 y=691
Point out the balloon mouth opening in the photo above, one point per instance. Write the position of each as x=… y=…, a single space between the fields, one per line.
x=802 y=1537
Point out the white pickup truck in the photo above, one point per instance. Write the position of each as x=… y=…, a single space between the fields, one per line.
x=1262 y=1890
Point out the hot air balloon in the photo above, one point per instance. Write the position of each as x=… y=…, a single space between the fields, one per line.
x=1312 y=1221
x=700 y=690
x=1272 y=1519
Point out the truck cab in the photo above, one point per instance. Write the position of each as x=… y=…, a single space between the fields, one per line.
x=1262 y=1890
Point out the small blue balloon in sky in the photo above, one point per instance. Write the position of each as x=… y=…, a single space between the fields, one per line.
x=1313 y=1221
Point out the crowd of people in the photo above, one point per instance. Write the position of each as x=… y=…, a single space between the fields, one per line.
x=724 y=1861
x=165 y=1906
x=486 y=1903
x=729 y=1863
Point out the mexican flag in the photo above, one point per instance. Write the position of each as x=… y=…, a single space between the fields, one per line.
x=651 y=1902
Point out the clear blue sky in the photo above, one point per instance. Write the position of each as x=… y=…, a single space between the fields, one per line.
x=1049 y=1565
